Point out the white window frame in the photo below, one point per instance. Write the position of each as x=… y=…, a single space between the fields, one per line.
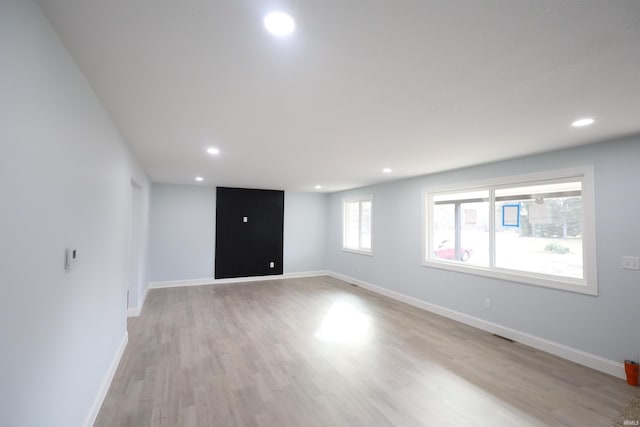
x=360 y=200
x=586 y=285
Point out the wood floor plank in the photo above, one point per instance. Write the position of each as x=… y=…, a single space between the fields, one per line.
x=318 y=352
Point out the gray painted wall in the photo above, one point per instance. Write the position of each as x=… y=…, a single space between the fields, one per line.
x=65 y=176
x=65 y=180
x=304 y=231
x=182 y=232
x=139 y=238
x=606 y=325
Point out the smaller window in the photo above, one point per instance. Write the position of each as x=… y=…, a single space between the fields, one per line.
x=356 y=226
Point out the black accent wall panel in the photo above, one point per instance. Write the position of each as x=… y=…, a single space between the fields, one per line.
x=247 y=248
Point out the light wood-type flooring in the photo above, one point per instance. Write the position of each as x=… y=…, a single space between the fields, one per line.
x=318 y=352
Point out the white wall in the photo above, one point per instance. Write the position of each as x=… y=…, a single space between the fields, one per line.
x=605 y=325
x=182 y=232
x=65 y=176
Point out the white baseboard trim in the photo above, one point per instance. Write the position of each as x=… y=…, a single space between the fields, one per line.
x=213 y=281
x=593 y=361
x=135 y=311
x=300 y=274
x=106 y=383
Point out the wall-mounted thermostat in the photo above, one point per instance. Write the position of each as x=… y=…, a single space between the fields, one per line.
x=70 y=259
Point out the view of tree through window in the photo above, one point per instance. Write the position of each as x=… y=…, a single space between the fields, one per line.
x=548 y=239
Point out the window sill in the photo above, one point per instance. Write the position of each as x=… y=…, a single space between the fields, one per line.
x=571 y=285
x=356 y=251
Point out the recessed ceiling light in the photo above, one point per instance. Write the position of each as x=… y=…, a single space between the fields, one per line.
x=199 y=178
x=279 y=23
x=583 y=122
x=213 y=151
x=318 y=187
x=386 y=170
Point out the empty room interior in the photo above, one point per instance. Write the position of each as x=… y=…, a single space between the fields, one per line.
x=319 y=213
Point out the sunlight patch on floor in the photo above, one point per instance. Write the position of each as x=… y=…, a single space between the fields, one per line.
x=344 y=323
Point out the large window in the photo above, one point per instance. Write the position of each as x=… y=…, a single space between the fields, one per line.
x=356 y=228
x=537 y=229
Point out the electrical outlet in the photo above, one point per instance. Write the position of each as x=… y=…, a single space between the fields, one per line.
x=272 y=264
x=631 y=262
x=487 y=303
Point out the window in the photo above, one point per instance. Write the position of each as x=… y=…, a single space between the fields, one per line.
x=356 y=227
x=537 y=229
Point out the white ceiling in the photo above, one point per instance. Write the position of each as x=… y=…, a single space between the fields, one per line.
x=418 y=86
